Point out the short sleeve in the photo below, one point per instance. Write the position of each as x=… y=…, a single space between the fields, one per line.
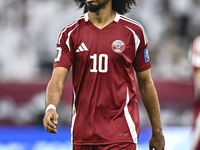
x=195 y=53
x=63 y=53
x=142 y=59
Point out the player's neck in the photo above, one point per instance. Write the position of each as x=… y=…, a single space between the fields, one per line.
x=103 y=17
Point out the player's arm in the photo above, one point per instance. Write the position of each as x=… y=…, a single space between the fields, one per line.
x=197 y=81
x=53 y=94
x=150 y=101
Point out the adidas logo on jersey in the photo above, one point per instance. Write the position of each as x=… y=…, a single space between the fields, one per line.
x=82 y=48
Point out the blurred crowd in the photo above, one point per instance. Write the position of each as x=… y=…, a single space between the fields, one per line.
x=28 y=34
x=171 y=26
x=29 y=30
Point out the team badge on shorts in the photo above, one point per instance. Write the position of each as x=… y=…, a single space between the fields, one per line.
x=118 y=46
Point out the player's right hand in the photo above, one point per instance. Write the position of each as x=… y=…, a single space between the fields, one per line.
x=50 y=121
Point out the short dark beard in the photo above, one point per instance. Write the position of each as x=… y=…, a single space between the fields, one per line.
x=95 y=8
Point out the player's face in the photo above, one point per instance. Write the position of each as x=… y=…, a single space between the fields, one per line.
x=95 y=5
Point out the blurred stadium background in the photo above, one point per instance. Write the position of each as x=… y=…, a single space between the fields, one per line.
x=28 y=34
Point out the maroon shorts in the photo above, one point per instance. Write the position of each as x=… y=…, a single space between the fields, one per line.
x=118 y=146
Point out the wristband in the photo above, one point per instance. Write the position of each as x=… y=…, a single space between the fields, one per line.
x=50 y=106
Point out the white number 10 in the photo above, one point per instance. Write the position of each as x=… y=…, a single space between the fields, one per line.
x=100 y=68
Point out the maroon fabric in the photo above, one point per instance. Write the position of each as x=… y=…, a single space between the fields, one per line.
x=124 y=146
x=103 y=78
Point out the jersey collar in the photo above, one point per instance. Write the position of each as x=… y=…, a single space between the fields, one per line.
x=117 y=17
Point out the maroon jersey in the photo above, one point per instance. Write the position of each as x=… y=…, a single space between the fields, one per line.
x=105 y=109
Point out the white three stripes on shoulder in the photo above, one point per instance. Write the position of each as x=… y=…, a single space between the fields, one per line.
x=68 y=26
x=137 y=40
x=82 y=48
x=67 y=41
x=138 y=24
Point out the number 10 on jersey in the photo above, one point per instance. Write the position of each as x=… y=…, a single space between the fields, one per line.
x=100 y=59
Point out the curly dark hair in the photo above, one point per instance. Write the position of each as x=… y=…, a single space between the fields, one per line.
x=120 y=6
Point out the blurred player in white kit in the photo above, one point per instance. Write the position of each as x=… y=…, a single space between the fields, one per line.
x=194 y=56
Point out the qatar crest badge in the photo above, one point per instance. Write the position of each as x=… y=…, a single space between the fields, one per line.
x=118 y=46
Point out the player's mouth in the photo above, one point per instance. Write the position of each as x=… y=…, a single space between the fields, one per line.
x=93 y=2
x=89 y=0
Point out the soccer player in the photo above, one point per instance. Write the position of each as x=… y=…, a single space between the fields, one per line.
x=194 y=56
x=103 y=47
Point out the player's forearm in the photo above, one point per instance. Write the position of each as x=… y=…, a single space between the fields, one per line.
x=197 y=82
x=54 y=93
x=150 y=101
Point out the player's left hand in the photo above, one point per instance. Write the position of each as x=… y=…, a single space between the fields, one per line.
x=157 y=142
